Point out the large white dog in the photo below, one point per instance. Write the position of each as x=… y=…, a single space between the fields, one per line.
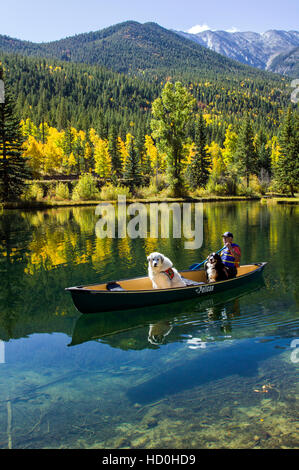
x=162 y=273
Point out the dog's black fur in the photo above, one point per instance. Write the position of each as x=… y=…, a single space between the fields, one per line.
x=215 y=269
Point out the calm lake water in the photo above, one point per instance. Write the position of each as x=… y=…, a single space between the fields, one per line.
x=222 y=374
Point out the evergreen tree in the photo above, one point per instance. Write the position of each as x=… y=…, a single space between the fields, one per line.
x=41 y=115
x=263 y=153
x=140 y=150
x=132 y=172
x=62 y=114
x=88 y=153
x=79 y=150
x=287 y=166
x=246 y=154
x=13 y=167
x=114 y=152
x=101 y=127
x=68 y=144
x=198 y=171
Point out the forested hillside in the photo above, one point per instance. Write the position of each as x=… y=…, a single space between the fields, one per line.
x=81 y=95
x=131 y=47
x=64 y=93
x=98 y=114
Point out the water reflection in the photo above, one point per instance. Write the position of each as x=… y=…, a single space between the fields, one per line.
x=157 y=326
x=158 y=332
x=43 y=240
x=41 y=252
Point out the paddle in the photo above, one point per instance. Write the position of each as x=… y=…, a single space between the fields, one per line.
x=194 y=266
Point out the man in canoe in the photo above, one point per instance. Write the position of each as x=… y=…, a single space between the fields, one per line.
x=230 y=255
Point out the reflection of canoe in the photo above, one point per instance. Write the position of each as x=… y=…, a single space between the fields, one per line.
x=138 y=292
x=122 y=328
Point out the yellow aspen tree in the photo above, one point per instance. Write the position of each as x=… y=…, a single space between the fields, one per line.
x=273 y=144
x=151 y=151
x=102 y=159
x=88 y=156
x=82 y=135
x=189 y=153
x=208 y=118
x=218 y=165
x=229 y=145
x=28 y=128
x=101 y=154
x=129 y=139
x=53 y=151
x=94 y=139
x=33 y=150
x=71 y=162
x=93 y=136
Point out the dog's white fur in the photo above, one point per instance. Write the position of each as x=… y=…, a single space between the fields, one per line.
x=157 y=264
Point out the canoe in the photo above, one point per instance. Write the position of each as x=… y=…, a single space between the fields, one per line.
x=138 y=292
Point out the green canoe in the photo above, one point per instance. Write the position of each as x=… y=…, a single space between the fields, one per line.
x=138 y=292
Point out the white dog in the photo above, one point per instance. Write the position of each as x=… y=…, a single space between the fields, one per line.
x=161 y=272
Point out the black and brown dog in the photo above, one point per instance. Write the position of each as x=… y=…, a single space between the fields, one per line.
x=215 y=269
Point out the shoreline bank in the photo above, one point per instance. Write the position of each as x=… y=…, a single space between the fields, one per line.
x=32 y=205
x=40 y=205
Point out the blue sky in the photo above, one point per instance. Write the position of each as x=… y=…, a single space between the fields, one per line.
x=43 y=20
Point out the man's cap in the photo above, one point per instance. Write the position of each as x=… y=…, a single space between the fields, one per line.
x=227 y=234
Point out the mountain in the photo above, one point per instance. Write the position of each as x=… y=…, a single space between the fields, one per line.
x=110 y=77
x=131 y=47
x=255 y=49
x=286 y=63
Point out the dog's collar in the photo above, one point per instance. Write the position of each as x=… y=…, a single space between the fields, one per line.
x=169 y=272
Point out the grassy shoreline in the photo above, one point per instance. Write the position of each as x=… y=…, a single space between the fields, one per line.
x=48 y=204
x=280 y=200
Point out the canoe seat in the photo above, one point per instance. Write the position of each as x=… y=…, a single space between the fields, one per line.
x=189 y=282
x=114 y=286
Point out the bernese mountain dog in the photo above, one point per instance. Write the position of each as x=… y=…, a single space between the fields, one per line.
x=215 y=269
